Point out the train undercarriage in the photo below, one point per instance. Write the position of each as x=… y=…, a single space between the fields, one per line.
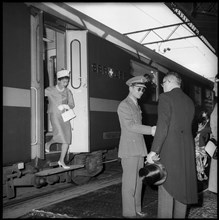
x=40 y=173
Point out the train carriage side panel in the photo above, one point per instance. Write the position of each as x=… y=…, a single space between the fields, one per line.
x=109 y=68
x=16 y=83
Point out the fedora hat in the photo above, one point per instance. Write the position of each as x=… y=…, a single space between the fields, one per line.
x=153 y=173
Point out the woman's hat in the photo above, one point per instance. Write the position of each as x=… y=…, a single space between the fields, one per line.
x=153 y=173
x=62 y=73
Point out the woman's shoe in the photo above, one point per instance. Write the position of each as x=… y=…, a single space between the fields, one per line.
x=47 y=148
x=141 y=214
x=63 y=165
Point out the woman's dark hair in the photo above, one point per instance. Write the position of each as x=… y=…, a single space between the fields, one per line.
x=64 y=77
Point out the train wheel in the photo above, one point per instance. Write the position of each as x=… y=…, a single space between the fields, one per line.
x=80 y=180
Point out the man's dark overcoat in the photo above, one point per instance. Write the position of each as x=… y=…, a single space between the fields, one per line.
x=174 y=142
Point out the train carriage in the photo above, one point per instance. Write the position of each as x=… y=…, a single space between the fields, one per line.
x=40 y=39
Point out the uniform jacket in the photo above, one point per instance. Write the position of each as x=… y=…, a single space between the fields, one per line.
x=57 y=98
x=174 y=142
x=132 y=140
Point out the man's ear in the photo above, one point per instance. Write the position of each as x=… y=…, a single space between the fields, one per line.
x=130 y=88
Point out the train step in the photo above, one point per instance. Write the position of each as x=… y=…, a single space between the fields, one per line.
x=57 y=170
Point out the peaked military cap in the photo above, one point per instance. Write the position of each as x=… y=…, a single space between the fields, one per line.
x=136 y=81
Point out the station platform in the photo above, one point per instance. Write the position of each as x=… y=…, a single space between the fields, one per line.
x=107 y=203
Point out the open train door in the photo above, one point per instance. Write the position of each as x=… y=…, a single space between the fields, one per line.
x=76 y=49
x=37 y=90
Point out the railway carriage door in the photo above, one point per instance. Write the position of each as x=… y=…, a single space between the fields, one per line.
x=37 y=80
x=76 y=49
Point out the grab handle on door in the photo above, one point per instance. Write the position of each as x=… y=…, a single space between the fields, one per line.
x=35 y=121
x=75 y=59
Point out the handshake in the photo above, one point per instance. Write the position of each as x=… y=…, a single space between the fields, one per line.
x=153 y=130
x=62 y=107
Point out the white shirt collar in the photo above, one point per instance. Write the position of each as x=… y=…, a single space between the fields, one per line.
x=135 y=101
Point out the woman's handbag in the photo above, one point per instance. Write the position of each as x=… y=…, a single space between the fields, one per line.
x=68 y=115
x=211 y=148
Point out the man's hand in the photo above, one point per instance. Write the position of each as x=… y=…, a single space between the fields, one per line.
x=153 y=130
x=151 y=157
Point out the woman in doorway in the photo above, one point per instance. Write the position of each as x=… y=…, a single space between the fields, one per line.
x=60 y=99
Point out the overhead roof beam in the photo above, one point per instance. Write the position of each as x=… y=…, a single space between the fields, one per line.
x=156 y=28
x=162 y=27
x=173 y=7
x=162 y=41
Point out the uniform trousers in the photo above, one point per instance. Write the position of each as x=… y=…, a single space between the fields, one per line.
x=168 y=207
x=131 y=185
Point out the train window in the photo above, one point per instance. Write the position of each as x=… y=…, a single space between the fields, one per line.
x=197 y=95
x=152 y=90
x=209 y=99
x=209 y=94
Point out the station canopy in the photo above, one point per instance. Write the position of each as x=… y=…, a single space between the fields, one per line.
x=164 y=28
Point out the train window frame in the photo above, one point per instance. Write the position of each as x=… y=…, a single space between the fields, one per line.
x=151 y=73
x=197 y=94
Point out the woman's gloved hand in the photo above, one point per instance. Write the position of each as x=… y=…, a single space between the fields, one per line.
x=62 y=107
x=66 y=107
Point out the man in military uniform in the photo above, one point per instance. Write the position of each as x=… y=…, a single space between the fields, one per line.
x=132 y=147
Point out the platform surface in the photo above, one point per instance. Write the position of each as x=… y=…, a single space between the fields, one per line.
x=107 y=203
